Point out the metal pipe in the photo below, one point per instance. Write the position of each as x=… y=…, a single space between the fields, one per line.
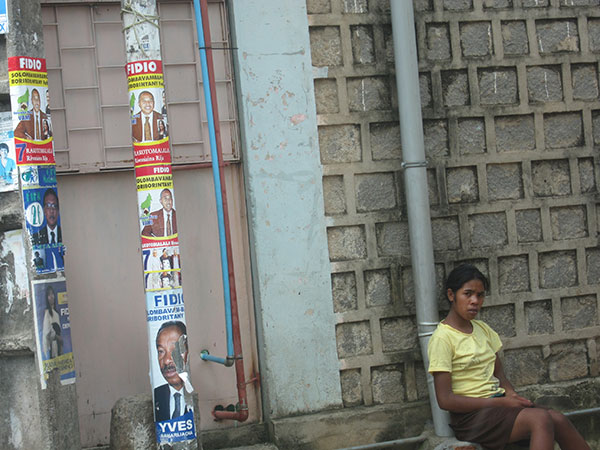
x=216 y=175
x=417 y=195
x=387 y=444
x=582 y=412
x=234 y=340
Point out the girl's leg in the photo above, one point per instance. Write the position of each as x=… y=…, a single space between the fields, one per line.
x=537 y=425
x=566 y=434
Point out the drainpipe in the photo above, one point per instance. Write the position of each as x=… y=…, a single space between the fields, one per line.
x=234 y=342
x=417 y=195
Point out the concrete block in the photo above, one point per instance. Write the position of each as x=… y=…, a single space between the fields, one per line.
x=318 y=6
x=563 y=130
x=347 y=243
x=340 y=144
x=425 y=90
x=432 y=186
x=387 y=384
x=355 y=6
x=388 y=45
x=399 y=334
x=438 y=42
x=461 y=185
x=568 y=222
x=471 y=136
x=326 y=96
x=557 y=36
x=544 y=84
x=514 y=38
x=500 y=318
x=585 y=81
x=579 y=312
x=592 y=262
x=408 y=287
x=378 y=287
x=132 y=423
x=594 y=34
x=369 y=94
x=498 y=86
x=446 y=233
x=392 y=238
x=568 y=361
x=455 y=88
x=513 y=274
x=575 y=3
x=497 y=4
x=353 y=339
x=505 y=181
x=385 y=141
x=538 y=317
x=596 y=126
x=363 y=44
x=352 y=394
x=529 y=225
x=435 y=138
x=587 y=175
x=525 y=366
x=334 y=195
x=326 y=46
x=535 y=3
x=344 y=291
x=558 y=269
x=458 y=5
x=375 y=192
x=514 y=133
x=551 y=178
x=476 y=39
x=423 y=5
x=488 y=230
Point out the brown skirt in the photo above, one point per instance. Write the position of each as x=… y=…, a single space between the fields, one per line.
x=489 y=427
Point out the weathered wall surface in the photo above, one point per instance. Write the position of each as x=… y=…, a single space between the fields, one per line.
x=511 y=115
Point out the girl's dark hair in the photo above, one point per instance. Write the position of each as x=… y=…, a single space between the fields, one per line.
x=462 y=274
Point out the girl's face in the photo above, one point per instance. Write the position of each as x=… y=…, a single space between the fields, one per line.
x=50 y=297
x=468 y=300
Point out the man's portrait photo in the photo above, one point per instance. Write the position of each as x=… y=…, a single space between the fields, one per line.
x=35 y=124
x=164 y=220
x=169 y=400
x=144 y=125
x=50 y=233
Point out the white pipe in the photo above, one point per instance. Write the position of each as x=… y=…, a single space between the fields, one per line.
x=417 y=195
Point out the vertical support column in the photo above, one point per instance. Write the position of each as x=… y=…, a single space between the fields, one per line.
x=291 y=270
x=36 y=359
x=167 y=332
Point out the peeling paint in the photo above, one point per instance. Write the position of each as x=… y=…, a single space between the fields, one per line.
x=298 y=118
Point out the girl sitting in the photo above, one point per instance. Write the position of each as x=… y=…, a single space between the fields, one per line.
x=470 y=382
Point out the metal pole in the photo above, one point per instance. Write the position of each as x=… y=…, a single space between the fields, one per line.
x=175 y=424
x=417 y=195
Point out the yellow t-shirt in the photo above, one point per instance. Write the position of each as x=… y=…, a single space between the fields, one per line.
x=469 y=358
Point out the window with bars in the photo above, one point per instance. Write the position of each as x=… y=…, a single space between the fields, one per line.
x=85 y=53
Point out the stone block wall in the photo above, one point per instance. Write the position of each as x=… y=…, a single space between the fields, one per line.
x=511 y=118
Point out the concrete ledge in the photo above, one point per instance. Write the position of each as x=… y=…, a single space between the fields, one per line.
x=350 y=427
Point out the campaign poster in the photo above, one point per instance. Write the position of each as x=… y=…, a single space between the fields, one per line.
x=162 y=267
x=30 y=104
x=53 y=329
x=3 y=17
x=169 y=367
x=9 y=177
x=42 y=219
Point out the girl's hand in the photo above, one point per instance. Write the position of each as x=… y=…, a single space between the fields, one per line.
x=512 y=399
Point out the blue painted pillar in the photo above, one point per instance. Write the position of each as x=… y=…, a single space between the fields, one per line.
x=284 y=191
